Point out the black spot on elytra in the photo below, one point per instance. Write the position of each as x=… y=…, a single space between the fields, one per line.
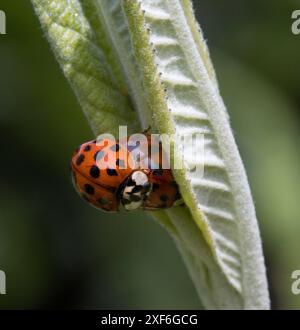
x=87 y=148
x=102 y=201
x=136 y=189
x=94 y=171
x=89 y=189
x=158 y=172
x=111 y=172
x=163 y=198
x=80 y=159
x=99 y=155
x=115 y=147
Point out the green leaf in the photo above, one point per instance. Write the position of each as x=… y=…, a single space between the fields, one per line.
x=88 y=62
x=145 y=63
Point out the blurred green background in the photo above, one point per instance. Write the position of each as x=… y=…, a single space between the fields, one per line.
x=57 y=251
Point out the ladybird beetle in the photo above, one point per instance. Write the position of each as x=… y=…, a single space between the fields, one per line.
x=134 y=179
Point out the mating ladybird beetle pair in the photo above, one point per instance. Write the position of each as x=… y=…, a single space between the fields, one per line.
x=146 y=186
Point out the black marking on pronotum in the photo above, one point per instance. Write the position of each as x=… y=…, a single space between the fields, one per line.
x=111 y=172
x=126 y=201
x=130 y=182
x=136 y=189
x=94 y=172
x=135 y=198
x=87 y=148
x=80 y=159
x=89 y=189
